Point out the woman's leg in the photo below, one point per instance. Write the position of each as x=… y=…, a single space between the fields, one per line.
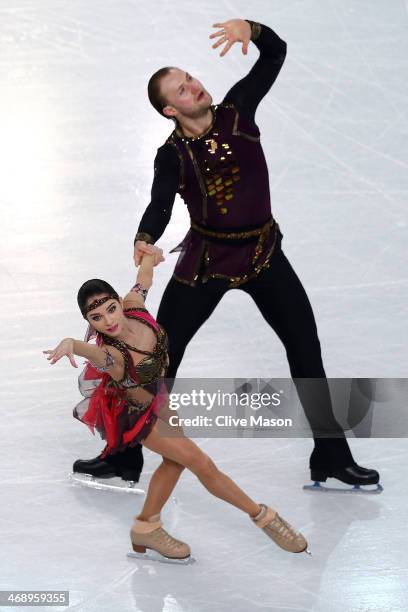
x=183 y=451
x=147 y=532
x=160 y=488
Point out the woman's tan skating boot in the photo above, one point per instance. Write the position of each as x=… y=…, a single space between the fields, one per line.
x=150 y=534
x=281 y=532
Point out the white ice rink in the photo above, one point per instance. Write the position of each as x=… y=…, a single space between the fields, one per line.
x=77 y=143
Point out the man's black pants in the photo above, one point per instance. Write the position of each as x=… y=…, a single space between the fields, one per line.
x=282 y=300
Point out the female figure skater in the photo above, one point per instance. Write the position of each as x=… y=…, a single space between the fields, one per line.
x=128 y=400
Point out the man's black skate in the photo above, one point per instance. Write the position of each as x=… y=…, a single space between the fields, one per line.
x=105 y=468
x=352 y=475
x=127 y=465
x=94 y=467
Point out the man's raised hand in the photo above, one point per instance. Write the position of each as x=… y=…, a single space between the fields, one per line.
x=232 y=31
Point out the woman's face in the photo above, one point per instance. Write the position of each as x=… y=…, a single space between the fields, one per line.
x=108 y=318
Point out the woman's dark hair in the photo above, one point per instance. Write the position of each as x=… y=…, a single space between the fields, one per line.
x=153 y=90
x=92 y=288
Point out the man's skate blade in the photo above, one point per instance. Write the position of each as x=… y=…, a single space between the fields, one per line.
x=153 y=555
x=317 y=487
x=87 y=480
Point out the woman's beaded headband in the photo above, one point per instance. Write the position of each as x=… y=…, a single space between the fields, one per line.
x=98 y=302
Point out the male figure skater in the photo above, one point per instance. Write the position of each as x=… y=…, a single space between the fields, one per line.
x=215 y=161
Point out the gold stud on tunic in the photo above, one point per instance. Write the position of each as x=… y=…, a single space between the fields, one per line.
x=213 y=145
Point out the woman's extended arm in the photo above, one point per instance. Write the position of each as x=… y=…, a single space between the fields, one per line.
x=105 y=360
x=138 y=293
x=145 y=272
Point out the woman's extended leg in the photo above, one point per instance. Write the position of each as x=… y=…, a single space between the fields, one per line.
x=147 y=531
x=185 y=452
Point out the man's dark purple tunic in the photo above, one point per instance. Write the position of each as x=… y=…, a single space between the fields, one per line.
x=222 y=177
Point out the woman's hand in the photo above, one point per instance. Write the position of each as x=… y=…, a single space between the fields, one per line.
x=234 y=30
x=64 y=349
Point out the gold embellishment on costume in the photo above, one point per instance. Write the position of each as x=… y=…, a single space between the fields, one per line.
x=233 y=235
x=150 y=367
x=144 y=236
x=135 y=406
x=260 y=244
x=182 y=175
x=211 y=185
x=256 y=30
x=221 y=174
x=183 y=280
x=213 y=145
x=199 y=178
x=236 y=281
x=192 y=283
x=235 y=130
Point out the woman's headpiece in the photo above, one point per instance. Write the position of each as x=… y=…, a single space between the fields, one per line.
x=98 y=302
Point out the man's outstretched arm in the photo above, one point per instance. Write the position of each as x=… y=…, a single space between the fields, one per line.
x=249 y=91
x=164 y=188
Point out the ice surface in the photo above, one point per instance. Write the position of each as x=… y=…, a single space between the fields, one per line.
x=77 y=143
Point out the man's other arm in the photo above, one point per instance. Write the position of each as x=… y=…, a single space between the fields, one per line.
x=164 y=188
x=249 y=91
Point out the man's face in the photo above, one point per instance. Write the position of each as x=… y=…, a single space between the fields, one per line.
x=184 y=94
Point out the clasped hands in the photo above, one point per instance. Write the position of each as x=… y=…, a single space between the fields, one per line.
x=142 y=247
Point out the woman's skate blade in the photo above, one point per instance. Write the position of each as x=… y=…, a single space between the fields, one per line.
x=153 y=555
x=318 y=487
x=87 y=480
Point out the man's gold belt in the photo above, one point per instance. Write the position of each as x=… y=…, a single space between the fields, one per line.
x=234 y=235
